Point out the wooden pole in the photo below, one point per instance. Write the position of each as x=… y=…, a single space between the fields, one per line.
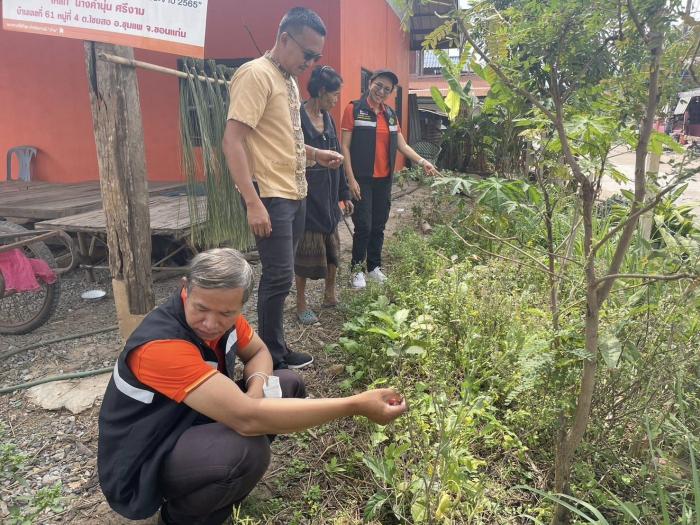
x=156 y=68
x=116 y=118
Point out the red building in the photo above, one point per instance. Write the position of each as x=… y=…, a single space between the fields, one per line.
x=44 y=95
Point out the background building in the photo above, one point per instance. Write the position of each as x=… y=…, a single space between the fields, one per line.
x=425 y=73
x=44 y=94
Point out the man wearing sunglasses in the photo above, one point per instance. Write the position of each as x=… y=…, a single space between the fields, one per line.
x=267 y=158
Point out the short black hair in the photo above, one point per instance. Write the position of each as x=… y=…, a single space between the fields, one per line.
x=297 y=18
x=323 y=77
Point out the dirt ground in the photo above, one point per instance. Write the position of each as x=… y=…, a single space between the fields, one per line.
x=62 y=447
x=623 y=160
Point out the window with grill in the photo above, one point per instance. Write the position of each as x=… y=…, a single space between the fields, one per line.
x=225 y=66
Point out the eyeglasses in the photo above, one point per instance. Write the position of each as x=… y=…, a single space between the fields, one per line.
x=383 y=89
x=309 y=56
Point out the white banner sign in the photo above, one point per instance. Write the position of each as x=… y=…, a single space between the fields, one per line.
x=170 y=26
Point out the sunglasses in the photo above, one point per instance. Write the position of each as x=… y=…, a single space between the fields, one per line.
x=309 y=56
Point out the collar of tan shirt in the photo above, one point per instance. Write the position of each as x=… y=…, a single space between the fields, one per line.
x=268 y=55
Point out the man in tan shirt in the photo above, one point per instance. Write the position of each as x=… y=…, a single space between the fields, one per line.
x=266 y=155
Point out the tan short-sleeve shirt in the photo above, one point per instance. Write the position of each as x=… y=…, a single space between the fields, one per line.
x=267 y=100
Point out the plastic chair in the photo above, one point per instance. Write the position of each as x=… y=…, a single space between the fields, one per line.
x=24 y=156
x=427 y=150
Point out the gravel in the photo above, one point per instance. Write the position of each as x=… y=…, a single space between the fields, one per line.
x=61 y=447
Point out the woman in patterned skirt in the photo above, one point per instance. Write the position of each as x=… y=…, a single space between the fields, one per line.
x=318 y=251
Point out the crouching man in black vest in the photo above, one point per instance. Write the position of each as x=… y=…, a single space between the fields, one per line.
x=176 y=432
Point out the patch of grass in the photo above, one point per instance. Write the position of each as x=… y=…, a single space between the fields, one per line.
x=26 y=508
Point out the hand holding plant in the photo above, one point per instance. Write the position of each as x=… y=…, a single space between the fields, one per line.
x=381 y=406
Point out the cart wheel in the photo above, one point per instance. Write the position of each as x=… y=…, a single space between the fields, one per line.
x=22 y=312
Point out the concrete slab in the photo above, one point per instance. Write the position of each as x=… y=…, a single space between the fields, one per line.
x=623 y=160
x=77 y=395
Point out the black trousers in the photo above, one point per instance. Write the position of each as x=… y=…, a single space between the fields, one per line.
x=277 y=259
x=369 y=217
x=211 y=468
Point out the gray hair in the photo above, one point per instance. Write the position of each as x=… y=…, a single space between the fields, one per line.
x=221 y=268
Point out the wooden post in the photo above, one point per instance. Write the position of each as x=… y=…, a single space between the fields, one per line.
x=116 y=118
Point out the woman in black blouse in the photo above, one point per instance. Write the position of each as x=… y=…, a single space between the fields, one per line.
x=319 y=249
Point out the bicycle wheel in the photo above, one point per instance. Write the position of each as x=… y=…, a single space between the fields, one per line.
x=22 y=312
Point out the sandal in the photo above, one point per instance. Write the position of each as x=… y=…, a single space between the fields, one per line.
x=307 y=317
x=329 y=305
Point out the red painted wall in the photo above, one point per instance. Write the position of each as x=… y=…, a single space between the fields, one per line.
x=371 y=38
x=43 y=87
x=44 y=103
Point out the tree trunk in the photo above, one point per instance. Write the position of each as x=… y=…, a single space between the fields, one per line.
x=569 y=441
x=116 y=117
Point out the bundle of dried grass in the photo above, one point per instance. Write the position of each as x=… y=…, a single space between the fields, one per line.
x=203 y=109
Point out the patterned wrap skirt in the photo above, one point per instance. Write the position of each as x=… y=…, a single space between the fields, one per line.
x=315 y=252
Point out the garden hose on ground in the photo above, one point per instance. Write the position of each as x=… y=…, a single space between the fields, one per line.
x=10 y=353
x=62 y=377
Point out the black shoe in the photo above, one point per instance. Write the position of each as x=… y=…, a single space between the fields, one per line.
x=297 y=359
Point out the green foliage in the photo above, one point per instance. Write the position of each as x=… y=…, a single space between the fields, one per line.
x=458 y=101
x=46 y=498
x=442 y=33
x=11 y=461
x=572 y=504
x=413 y=174
x=443 y=357
x=482 y=136
x=27 y=508
x=239 y=517
x=463 y=329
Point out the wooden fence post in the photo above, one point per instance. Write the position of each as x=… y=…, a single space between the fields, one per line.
x=116 y=118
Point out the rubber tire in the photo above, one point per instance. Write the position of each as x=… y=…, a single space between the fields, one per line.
x=53 y=291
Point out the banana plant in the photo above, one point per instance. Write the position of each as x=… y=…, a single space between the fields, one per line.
x=459 y=100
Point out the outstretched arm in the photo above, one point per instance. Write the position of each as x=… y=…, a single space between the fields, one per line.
x=220 y=399
x=409 y=152
x=327 y=158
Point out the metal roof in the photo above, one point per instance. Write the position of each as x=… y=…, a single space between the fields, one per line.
x=430 y=60
x=682 y=106
x=684 y=99
x=424 y=21
x=690 y=94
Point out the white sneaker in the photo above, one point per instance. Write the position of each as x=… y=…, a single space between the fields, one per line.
x=358 y=281
x=377 y=275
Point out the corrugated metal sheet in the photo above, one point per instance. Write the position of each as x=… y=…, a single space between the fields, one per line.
x=424 y=21
x=430 y=60
x=681 y=106
x=684 y=98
